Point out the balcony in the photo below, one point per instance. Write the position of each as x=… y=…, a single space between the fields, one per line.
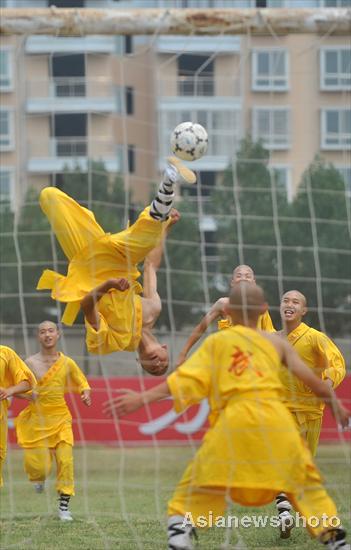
x=199 y=87
x=198 y=44
x=71 y=95
x=88 y=44
x=57 y=155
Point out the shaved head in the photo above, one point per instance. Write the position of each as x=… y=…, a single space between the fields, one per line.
x=45 y=324
x=243 y=272
x=247 y=301
x=297 y=294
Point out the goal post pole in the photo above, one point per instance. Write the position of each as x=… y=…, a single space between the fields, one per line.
x=229 y=21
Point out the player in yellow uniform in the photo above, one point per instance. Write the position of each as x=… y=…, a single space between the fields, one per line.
x=102 y=273
x=323 y=357
x=218 y=311
x=44 y=427
x=15 y=377
x=252 y=448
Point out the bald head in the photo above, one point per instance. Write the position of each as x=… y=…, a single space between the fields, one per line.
x=293 y=307
x=243 y=273
x=47 y=324
x=246 y=303
x=297 y=295
x=48 y=335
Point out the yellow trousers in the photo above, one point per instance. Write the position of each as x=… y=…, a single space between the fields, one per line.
x=3 y=443
x=313 y=501
x=38 y=463
x=309 y=428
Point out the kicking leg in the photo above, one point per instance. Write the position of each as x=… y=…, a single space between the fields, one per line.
x=175 y=172
x=74 y=226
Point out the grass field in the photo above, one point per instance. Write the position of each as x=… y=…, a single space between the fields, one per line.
x=120 y=503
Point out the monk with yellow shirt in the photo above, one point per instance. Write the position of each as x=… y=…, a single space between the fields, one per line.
x=102 y=273
x=320 y=354
x=44 y=427
x=252 y=449
x=15 y=377
x=218 y=311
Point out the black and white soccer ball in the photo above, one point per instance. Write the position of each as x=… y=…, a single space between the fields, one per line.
x=189 y=141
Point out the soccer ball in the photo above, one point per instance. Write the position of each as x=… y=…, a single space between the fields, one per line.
x=189 y=141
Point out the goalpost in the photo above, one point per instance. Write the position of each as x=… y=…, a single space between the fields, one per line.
x=273 y=192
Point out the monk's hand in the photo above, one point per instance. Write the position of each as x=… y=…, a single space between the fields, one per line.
x=118 y=284
x=181 y=359
x=341 y=415
x=5 y=393
x=127 y=402
x=85 y=397
x=174 y=216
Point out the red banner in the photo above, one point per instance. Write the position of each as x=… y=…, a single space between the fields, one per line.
x=156 y=423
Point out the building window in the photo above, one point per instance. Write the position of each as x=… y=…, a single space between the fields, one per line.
x=128 y=44
x=67 y=3
x=272 y=126
x=70 y=135
x=336 y=129
x=6 y=130
x=131 y=159
x=270 y=70
x=5 y=71
x=335 y=3
x=129 y=99
x=335 y=69
x=195 y=75
x=6 y=182
x=281 y=179
x=68 y=74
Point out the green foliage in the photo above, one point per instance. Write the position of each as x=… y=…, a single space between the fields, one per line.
x=304 y=244
x=309 y=238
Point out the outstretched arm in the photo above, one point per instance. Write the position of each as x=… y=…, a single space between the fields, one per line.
x=13 y=390
x=89 y=302
x=153 y=260
x=318 y=386
x=212 y=315
x=129 y=401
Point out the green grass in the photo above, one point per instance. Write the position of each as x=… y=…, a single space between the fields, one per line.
x=121 y=498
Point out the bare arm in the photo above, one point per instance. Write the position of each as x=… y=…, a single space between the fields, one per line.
x=13 y=390
x=153 y=260
x=130 y=401
x=212 y=315
x=89 y=302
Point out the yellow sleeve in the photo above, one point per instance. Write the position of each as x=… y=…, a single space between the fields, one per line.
x=333 y=359
x=191 y=382
x=76 y=381
x=18 y=371
x=265 y=322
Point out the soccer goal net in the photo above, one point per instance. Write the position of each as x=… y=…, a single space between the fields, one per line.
x=89 y=98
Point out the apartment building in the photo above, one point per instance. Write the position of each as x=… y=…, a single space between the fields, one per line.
x=66 y=101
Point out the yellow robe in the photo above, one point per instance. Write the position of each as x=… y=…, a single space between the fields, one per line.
x=47 y=421
x=264 y=323
x=321 y=355
x=12 y=371
x=252 y=443
x=95 y=256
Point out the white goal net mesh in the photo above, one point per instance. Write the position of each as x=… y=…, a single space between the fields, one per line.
x=92 y=115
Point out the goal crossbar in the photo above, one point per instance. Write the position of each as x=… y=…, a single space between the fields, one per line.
x=231 y=21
